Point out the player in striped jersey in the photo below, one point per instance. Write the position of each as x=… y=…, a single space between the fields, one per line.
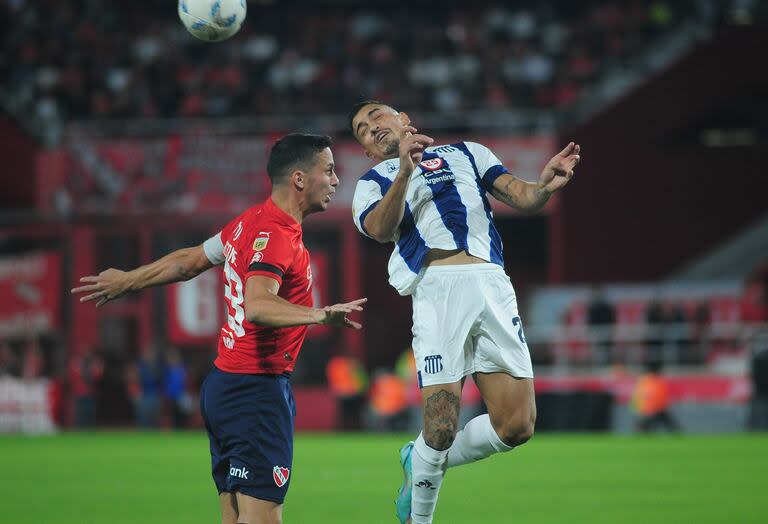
x=431 y=202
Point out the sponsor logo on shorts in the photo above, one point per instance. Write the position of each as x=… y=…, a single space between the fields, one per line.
x=433 y=364
x=238 y=472
x=425 y=484
x=280 y=475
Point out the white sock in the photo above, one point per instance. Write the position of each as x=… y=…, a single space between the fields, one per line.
x=476 y=441
x=428 y=471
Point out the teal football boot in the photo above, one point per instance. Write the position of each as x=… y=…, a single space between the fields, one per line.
x=403 y=501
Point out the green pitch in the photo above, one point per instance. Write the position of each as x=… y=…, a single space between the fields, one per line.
x=163 y=478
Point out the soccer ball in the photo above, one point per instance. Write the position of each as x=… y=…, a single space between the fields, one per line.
x=212 y=20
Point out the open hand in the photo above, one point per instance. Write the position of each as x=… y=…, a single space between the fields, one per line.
x=336 y=315
x=107 y=285
x=559 y=170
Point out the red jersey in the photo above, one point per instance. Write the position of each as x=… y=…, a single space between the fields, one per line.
x=263 y=241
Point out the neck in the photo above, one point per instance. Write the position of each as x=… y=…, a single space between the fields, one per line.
x=290 y=203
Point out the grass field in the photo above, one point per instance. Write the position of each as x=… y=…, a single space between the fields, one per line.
x=163 y=478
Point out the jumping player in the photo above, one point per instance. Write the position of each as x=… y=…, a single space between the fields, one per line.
x=246 y=401
x=431 y=202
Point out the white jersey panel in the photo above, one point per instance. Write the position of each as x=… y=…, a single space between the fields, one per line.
x=446 y=207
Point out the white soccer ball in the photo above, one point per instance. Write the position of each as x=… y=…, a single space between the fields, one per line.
x=212 y=20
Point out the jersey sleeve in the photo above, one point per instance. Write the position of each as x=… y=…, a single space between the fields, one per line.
x=214 y=249
x=369 y=191
x=270 y=255
x=489 y=167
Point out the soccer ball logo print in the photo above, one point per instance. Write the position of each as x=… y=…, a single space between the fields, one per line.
x=280 y=475
x=432 y=164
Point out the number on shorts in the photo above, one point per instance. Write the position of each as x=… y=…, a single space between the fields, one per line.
x=233 y=292
x=519 y=323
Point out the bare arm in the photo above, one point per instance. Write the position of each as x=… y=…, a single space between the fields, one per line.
x=265 y=308
x=529 y=196
x=383 y=221
x=110 y=284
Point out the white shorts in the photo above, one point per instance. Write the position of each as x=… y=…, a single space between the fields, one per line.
x=465 y=320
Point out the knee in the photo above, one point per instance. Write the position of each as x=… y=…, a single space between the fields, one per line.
x=517 y=432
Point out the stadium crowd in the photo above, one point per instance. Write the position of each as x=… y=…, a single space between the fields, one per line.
x=90 y=59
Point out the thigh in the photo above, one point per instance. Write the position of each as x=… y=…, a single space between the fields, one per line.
x=500 y=344
x=250 y=420
x=507 y=398
x=445 y=309
x=256 y=511
x=228 y=505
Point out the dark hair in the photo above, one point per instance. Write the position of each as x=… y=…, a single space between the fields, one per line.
x=292 y=151
x=358 y=106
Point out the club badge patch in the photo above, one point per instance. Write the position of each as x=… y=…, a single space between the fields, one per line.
x=432 y=164
x=261 y=241
x=280 y=475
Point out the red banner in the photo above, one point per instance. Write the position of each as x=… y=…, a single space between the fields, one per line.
x=31 y=288
x=196 y=309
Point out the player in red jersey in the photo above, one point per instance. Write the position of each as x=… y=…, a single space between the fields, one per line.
x=246 y=400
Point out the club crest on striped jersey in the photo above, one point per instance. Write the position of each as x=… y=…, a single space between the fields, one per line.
x=261 y=241
x=432 y=164
x=280 y=475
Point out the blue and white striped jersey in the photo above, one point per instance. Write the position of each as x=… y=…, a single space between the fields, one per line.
x=446 y=207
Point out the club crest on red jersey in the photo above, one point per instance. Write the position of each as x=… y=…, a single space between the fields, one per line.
x=261 y=241
x=432 y=164
x=280 y=475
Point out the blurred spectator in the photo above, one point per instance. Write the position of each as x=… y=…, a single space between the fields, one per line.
x=651 y=400
x=758 y=412
x=754 y=302
x=85 y=372
x=601 y=318
x=348 y=382
x=150 y=376
x=176 y=389
x=8 y=360
x=143 y=64
x=388 y=403
x=33 y=362
x=667 y=337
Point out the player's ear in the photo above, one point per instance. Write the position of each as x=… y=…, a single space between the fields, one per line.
x=404 y=118
x=297 y=178
x=369 y=155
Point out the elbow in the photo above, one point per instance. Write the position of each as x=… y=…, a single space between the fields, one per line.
x=379 y=236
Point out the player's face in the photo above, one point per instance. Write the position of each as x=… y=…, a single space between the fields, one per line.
x=378 y=128
x=321 y=181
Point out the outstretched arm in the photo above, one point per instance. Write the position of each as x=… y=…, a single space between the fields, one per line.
x=110 y=284
x=265 y=308
x=529 y=196
x=383 y=221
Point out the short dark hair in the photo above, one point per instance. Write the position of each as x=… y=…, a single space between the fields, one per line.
x=292 y=151
x=358 y=106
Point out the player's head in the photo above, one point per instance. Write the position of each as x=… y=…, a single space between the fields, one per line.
x=303 y=164
x=378 y=127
